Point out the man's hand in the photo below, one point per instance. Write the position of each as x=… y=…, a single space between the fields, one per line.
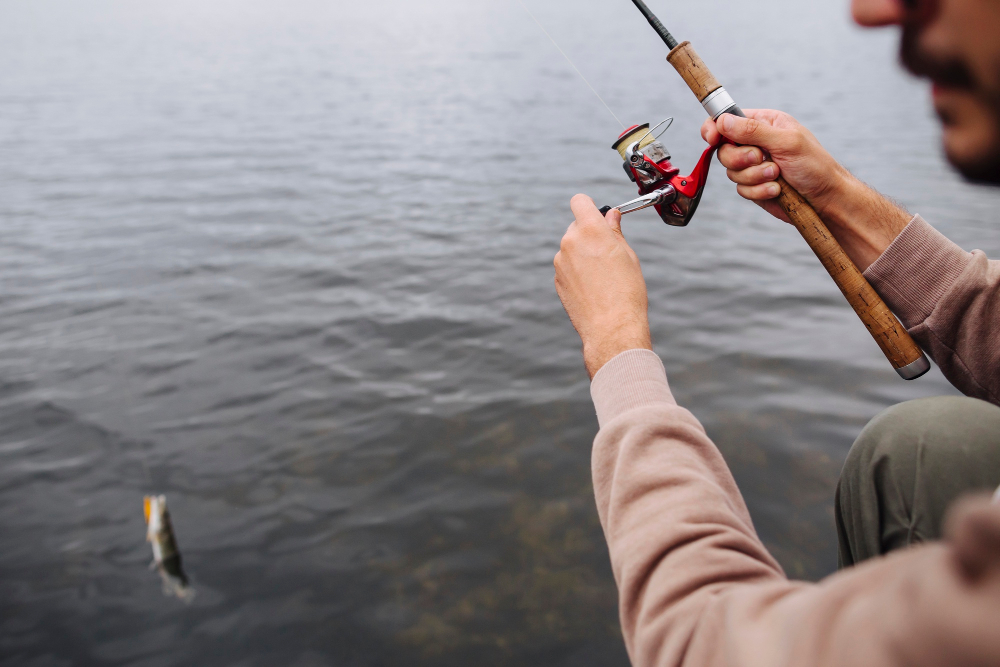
x=600 y=283
x=773 y=143
x=790 y=149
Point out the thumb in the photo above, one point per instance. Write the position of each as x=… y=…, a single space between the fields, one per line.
x=586 y=211
x=749 y=132
x=614 y=218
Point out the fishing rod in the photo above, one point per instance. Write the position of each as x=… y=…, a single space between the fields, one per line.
x=676 y=197
x=647 y=161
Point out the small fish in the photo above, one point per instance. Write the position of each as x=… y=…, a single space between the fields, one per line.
x=166 y=555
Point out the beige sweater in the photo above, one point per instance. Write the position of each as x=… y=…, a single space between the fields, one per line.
x=698 y=588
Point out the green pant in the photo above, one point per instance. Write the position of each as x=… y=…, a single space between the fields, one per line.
x=907 y=466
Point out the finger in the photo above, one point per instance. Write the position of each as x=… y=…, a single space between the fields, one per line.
x=759 y=193
x=769 y=116
x=710 y=133
x=762 y=173
x=614 y=218
x=740 y=157
x=586 y=211
x=749 y=131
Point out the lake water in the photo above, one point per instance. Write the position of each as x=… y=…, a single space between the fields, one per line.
x=289 y=263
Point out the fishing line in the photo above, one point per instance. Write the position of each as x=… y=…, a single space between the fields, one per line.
x=523 y=6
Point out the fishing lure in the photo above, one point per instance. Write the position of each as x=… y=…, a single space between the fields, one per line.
x=166 y=555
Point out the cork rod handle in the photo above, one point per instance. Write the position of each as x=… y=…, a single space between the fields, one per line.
x=897 y=345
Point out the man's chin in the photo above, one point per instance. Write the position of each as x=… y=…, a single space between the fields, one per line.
x=982 y=166
x=971 y=134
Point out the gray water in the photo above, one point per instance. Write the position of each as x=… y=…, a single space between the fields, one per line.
x=289 y=263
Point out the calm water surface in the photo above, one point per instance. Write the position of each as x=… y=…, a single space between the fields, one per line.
x=289 y=263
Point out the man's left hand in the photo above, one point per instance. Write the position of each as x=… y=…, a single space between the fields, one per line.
x=600 y=283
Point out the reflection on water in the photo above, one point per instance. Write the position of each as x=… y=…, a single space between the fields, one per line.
x=290 y=265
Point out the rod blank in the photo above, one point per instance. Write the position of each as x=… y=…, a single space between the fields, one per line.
x=664 y=34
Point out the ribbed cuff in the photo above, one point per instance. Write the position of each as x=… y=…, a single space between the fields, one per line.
x=633 y=379
x=916 y=270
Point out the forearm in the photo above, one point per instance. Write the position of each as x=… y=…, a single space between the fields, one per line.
x=674 y=519
x=698 y=588
x=949 y=300
x=862 y=220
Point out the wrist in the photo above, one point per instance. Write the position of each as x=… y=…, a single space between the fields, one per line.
x=839 y=186
x=602 y=349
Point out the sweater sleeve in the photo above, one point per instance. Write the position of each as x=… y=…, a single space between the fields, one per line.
x=698 y=588
x=949 y=300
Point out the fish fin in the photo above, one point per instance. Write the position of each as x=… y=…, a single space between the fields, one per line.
x=147 y=501
x=178 y=588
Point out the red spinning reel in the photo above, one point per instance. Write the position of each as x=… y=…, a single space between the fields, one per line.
x=647 y=164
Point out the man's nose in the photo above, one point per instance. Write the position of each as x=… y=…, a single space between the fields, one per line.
x=878 y=13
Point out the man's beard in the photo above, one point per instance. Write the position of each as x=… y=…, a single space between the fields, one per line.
x=956 y=74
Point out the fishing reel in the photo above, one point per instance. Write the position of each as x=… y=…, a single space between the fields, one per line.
x=661 y=185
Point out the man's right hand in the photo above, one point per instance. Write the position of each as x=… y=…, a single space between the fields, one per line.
x=791 y=150
x=770 y=143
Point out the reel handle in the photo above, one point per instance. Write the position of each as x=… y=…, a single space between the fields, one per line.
x=897 y=345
